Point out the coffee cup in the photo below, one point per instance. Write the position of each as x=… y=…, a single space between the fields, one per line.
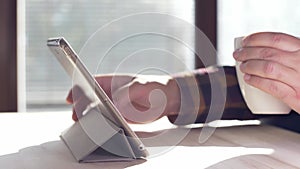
x=258 y=101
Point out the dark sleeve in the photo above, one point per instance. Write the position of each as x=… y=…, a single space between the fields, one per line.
x=235 y=107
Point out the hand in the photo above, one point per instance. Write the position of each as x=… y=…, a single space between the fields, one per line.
x=80 y=101
x=140 y=99
x=271 y=62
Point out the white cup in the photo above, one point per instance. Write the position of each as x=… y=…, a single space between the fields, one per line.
x=258 y=101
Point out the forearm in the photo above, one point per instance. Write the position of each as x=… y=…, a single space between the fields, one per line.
x=234 y=108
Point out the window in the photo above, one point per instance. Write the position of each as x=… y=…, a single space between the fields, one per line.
x=46 y=83
x=242 y=17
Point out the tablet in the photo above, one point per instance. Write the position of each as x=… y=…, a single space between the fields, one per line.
x=76 y=69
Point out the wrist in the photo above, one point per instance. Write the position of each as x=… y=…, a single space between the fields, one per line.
x=173 y=92
x=185 y=108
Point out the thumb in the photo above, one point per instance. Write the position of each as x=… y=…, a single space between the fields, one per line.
x=69 y=98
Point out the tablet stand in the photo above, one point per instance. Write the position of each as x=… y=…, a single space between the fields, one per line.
x=95 y=138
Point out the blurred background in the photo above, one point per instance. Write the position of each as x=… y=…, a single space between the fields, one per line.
x=33 y=81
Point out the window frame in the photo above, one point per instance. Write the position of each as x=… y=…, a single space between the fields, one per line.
x=8 y=55
x=206 y=21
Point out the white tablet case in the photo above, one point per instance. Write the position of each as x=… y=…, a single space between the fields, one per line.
x=88 y=143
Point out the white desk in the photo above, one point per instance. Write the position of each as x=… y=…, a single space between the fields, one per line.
x=31 y=141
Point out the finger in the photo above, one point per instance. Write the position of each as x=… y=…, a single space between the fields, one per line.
x=80 y=101
x=74 y=94
x=128 y=100
x=143 y=93
x=81 y=104
x=79 y=107
x=280 y=90
x=110 y=83
x=133 y=91
x=276 y=88
x=69 y=98
x=136 y=103
x=121 y=80
x=289 y=59
x=74 y=115
x=271 y=70
x=135 y=113
x=272 y=39
x=142 y=114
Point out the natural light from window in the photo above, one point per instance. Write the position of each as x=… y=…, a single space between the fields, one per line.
x=242 y=17
x=46 y=82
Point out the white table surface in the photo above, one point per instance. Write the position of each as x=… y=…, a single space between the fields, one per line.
x=31 y=141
